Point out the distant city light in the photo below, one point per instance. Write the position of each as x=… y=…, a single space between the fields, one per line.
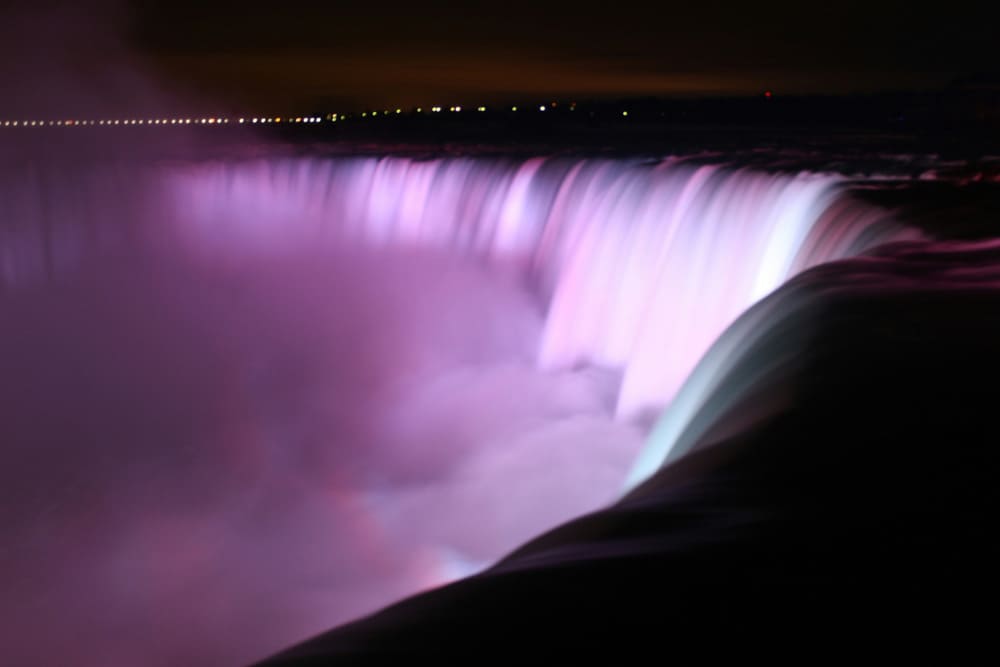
x=219 y=120
x=624 y=113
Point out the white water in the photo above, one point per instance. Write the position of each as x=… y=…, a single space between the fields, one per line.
x=640 y=265
x=213 y=391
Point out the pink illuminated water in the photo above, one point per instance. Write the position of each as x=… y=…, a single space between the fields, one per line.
x=244 y=400
x=639 y=266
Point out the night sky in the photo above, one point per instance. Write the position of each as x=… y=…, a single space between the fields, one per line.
x=303 y=55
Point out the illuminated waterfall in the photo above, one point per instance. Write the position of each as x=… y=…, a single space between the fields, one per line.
x=268 y=380
x=641 y=264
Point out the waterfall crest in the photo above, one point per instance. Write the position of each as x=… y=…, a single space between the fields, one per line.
x=640 y=264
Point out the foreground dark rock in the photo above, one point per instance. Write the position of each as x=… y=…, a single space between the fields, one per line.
x=848 y=499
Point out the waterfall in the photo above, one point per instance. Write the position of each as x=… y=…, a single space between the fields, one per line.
x=327 y=383
x=640 y=264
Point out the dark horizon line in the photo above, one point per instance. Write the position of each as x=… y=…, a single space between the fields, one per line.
x=324 y=105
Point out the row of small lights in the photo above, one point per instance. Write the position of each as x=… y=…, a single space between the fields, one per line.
x=456 y=109
x=157 y=121
x=265 y=120
x=438 y=109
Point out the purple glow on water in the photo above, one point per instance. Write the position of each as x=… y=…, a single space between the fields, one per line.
x=250 y=399
x=640 y=267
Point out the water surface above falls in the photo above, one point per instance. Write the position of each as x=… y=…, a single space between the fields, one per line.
x=316 y=382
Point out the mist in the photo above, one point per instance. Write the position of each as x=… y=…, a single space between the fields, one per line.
x=209 y=455
x=205 y=463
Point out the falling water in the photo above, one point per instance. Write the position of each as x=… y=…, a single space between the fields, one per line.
x=640 y=264
x=257 y=379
